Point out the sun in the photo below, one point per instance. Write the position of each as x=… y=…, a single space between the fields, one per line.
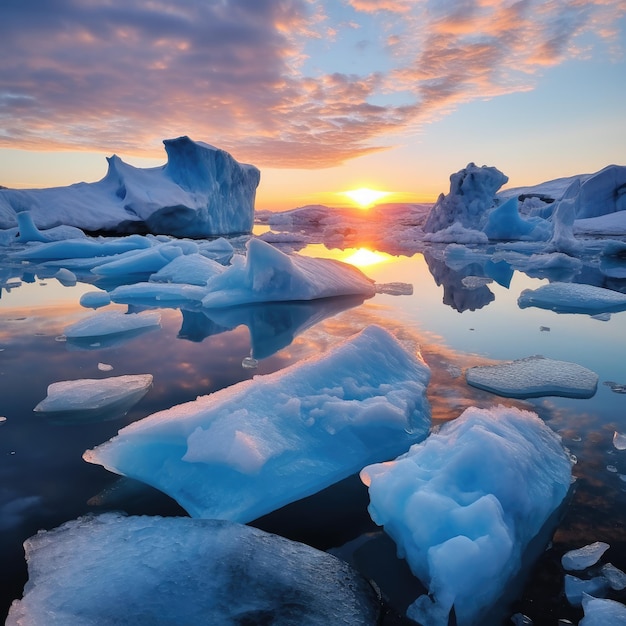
x=365 y=197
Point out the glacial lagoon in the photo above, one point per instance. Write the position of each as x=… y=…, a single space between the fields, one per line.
x=455 y=318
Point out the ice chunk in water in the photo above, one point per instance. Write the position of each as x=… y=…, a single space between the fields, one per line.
x=162 y=571
x=573 y=298
x=576 y=587
x=269 y=275
x=600 y=612
x=103 y=398
x=534 y=376
x=249 y=449
x=584 y=557
x=111 y=323
x=463 y=505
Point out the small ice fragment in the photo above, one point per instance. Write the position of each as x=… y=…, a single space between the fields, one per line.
x=475 y=282
x=60 y=338
x=615 y=387
x=612 y=469
x=249 y=363
x=575 y=587
x=584 y=557
x=66 y=277
x=2 y=419
x=105 y=367
x=544 y=329
x=619 y=440
x=615 y=576
x=394 y=289
x=520 y=619
x=95 y=299
x=601 y=612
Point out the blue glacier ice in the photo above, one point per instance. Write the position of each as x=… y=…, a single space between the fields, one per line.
x=249 y=449
x=112 y=569
x=201 y=191
x=463 y=505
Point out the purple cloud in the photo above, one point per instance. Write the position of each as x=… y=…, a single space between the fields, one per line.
x=121 y=76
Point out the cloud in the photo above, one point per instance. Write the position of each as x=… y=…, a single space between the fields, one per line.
x=121 y=76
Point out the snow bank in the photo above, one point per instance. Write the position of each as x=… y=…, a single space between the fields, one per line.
x=127 y=571
x=463 y=505
x=201 y=191
x=249 y=449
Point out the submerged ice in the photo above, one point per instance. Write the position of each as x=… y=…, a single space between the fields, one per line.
x=249 y=449
x=111 y=569
x=463 y=505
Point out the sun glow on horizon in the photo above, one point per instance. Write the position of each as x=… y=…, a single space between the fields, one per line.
x=365 y=197
x=364 y=257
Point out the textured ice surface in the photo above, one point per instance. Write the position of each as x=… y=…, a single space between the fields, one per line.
x=575 y=588
x=101 y=398
x=584 y=557
x=201 y=191
x=600 y=612
x=615 y=576
x=533 y=377
x=573 y=298
x=133 y=571
x=463 y=505
x=251 y=448
x=111 y=323
x=471 y=195
x=267 y=275
x=191 y=269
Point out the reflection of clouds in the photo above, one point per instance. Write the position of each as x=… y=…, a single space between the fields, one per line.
x=14 y=509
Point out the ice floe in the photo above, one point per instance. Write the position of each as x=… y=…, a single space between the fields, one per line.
x=90 y=399
x=573 y=298
x=111 y=569
x=534 y=376
x=463 y=505
x=249 y=449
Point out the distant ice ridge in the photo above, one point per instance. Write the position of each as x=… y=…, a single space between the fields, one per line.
x=201 y=191
x=249 y=449
x=463 y=505
x=111 y=569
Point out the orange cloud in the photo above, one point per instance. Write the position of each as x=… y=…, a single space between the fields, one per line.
x=113 y=77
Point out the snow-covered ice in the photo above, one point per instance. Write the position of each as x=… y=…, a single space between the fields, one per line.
x=94 y=399
x=200 y=191
x=573 y=298
x=267 y=274
x=582 y=558
x=534 y=376
x=463 y=505
x=111 y=569
x=249 y=449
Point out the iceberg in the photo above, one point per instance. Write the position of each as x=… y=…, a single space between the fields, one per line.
x=89 y=399
x=533 y=377
x=249 y=449
x=463 y=505
x=201 y=191
x=573 y=298
x=472 y=193
x=269 y=275
x=112 y=569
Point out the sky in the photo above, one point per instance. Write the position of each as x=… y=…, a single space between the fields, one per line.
x=323 y=96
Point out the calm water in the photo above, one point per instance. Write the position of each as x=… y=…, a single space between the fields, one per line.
x=44 y=481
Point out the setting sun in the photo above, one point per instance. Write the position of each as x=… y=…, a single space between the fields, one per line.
x=365 y=197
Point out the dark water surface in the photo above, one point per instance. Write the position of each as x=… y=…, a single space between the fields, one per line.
x=44 y=480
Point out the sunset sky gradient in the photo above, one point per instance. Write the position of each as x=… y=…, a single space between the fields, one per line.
x=322 y=96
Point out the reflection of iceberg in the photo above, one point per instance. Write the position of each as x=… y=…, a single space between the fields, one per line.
x=176 y=570
x=274 y=326
x=91 y=400
x=249 y=449
x=110 y=328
